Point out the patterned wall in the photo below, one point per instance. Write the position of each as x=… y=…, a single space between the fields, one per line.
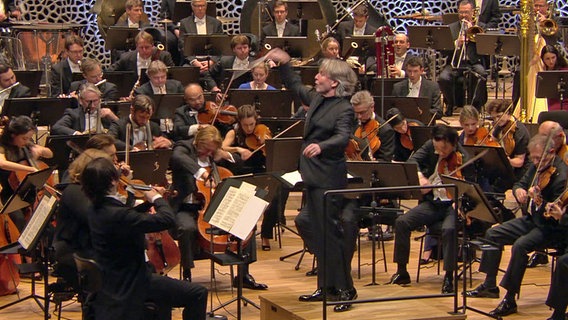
x=77 y=11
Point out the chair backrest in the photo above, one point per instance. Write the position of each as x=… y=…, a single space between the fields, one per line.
x=89 y=273
x=559 y=116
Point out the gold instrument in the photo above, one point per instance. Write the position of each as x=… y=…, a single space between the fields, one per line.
x=10 y=87
x=471 y=32
x=459 y=51
x=548 y=27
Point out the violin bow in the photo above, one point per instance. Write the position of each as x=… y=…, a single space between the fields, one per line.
x=276 y=136
x=493 y=126
x=373 y=131
x=468 y=162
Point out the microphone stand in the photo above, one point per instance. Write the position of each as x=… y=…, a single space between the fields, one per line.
x=384 y=72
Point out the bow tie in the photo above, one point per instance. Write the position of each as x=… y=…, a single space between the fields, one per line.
x=199 y=21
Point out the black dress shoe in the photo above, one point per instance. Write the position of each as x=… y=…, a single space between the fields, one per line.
x=400 y=278
x=448 y=285
x=505 y=308
x=250 y=283
x=318 y=296
x=483 y=292
x=536 y=259
x=345 y=295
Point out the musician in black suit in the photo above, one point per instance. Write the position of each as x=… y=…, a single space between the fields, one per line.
x=329 y=124
x=401 y=45
x=557 y=298
x=144 y=134
x=280 y=27
x=198 y=23
x=489 y=14
x=9 y=9
x=415 y=85
x=133 y=15
x=214 y=78
x=451 y=79
x=83 y=119
x=440 y=155
x=159 y=83
x=527 y=233
x=8 y=85
x=93 y=74
x=118 y=237
x=62 y=72
x=141 y=57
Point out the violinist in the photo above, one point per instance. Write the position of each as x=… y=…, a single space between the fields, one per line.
x=364 y=106
x=93 y=74
x=558 y=138
x=118 y=238
x=17 y=151
x=144 y=134
x=473 y=134
x=544 y=181
x=403 y=145
x=189 y=162
x=511 y=134
x=440 y=155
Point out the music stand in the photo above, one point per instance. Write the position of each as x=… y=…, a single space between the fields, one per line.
x=283 y=154
x=308 y=74
x=62 y=153
x=268 y=103
x=120 y=38
x=124 y=81
x=493 y=164
x=278 y=125
x=552 y=84
x=166 y=105
x=31 y=79
x=431 y=38
x=43 y=111
x=412 y=108
x=294 y=46
x=498 y=45
x=305 y=10
x=420 y=135
x=185 y=75
x=207 y=45
x=274 y=78
x=375 y=87
x=365 y=46
x=182 y=9
x=149 y=166
x=120 y=108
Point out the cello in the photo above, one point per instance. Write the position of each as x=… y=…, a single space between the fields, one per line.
x=9 y=274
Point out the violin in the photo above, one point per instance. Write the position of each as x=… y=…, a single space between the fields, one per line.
x=226 y=114
x=561 y=201
x=506 y=136
x=406 y=138
x=451 y=164
x=542 y=180
x=365 y=135
x=256 y=139
x=482 y=137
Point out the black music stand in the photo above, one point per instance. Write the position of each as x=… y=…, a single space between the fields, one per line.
x=120 y=38
x=420 y=135
x=496 y=44
x=185 y=75
x=207 y=45
x=63 y=155
x=166 y=105
x=493 y=165
x=43 y=111
x=283 y=154
x=268 y=103
x=120 y=108
x=31 y=79
x=23 y=197
x=552 y=84
x=305 y=10
x=294 y=46
x=365 y=46
x=278 y=125
x=431 y=38
x=376 y=88
x=124 y=81
x=149 y=166
x=182 y=9
x=412 y=108
x=308 y=74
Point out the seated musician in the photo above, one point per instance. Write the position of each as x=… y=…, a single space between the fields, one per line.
x=117 y=233
x=415 y=85
x=189 y=161
x=62 y=72
x=473 y=134
x=198 y=23
x=159 y=83
x=259 y=75
x=8 y=87
x=527 y=233
x=401 y=56
x=510 y=133
x=84 y=119
x=451 y=78
x=403 y=145
x=93 y=73
x=186 y=117
x=440 y=155
x=144 y=134
x=17 y=149
x=364 y=108
x=8 y=9
x=329 y=49
x=134 y=12
x=553 y=60
x=140 y=58
x=280 y=27
x=240 y=44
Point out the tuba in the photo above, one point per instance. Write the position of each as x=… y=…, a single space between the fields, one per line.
x=384 y=44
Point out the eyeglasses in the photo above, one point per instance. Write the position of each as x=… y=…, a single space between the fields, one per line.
x=279 y=11
x=199 y=5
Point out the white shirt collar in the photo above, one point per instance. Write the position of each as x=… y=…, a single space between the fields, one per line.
x=132 y=24
x=197 y=20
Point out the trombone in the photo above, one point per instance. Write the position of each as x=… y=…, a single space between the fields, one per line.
x=548 y=26
x=459 y=51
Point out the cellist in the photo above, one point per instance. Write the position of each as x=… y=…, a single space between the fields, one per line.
x=189 y=161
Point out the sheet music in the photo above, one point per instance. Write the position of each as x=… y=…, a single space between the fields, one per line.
x=292 y=177
x=36 y=222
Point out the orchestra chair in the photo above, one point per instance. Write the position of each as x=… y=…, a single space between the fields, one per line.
x=560 y=116
x=90 y=278
x=434 y=231
x=59 y=292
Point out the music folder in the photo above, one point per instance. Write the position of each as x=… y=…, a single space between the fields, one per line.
x=149 y=166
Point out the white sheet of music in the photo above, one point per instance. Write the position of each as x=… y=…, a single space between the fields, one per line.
x=38 y=218
x=292 y=177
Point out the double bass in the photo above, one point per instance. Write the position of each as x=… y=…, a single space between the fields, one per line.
x=9 y=274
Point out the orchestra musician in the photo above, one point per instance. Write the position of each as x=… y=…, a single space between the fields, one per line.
x=403 y=145
x=259 y=74
x=440 y=155
x=84 y=119
x=329 y=49
x=329 y=123
x=17 y=153
x=553 y=60
x=93 y=73
x=159 y=83
x=489 y=14
x=140 y=58
x=118 y=238
x=401 y=45
x=415 y=85
x=364 y=109
x=8 y=87
x=528 y=232
x=134 y=12
x=8 y=9
x=240 y=44
x=62 y=72
x=171 y=34
x=144 y=134
x=189 y=161
x=280 y=27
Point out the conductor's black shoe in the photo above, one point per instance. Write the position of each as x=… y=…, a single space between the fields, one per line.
x=505 y=308
x=345 y=295
x=483 y=292
x=318 y=296
x=536 y=259
x=448 y=285
x=250 y=283
x=400 y=278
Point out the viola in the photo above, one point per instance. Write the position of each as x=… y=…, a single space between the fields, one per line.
x=256 y=139
x=406 y=138
x=365 y=138
x=481 y=137
x=542 y=180
x=163 y=252
x=9 y=274
x=225 y=114
x=506 y=136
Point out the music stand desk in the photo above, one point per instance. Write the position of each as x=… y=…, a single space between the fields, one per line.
x=283 y=154
x=386 y=174
x=548 y=82
x=61 y=150
x=412 y=108
x=118 y=38
x=45 y=110
x=420 y=135
x=308 y=10
x=124 y=80
x=272 y=103
x=308 y=74
x=496 y=43
x=294 y=46
x=278 y=125
x=166 y=105
x=150 y=165
x=207 y=45
x=493 y=164
x=31 y=79
x=431 y=37
x=363 y=42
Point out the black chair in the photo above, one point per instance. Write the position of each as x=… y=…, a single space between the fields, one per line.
x=434 y=231
x=559 y=116
x=90 y=282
